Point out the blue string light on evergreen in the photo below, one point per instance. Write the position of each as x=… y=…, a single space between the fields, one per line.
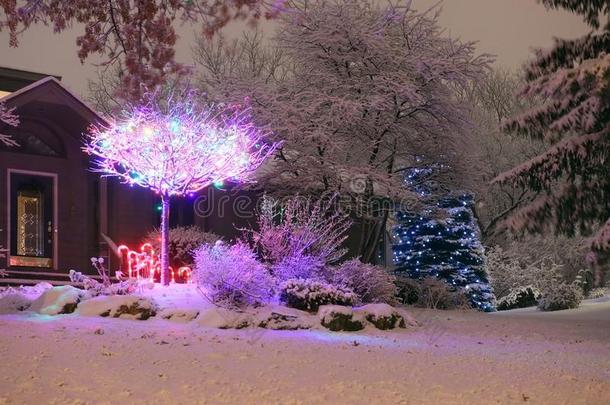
x=448 y=248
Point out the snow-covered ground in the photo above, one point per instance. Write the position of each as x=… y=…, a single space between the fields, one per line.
x=453 y=357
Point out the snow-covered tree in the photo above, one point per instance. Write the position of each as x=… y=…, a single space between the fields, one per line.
x=591 y=10
x=492 y=99
x=175 y=147
x=571 y=176
x=139 y=36
x=364 y=91
x=8 y=117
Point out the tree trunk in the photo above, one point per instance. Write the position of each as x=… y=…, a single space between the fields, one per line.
x=370 y=238
x=375 y=241
x=165 y=276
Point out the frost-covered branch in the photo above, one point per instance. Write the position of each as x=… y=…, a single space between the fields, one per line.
x=8 y=117
x=139 y=36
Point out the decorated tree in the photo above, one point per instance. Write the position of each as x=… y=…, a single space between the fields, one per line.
x=137 y=36
x=357 y=91
x=8 y=117
x=175 y=147
x=448 y=249
x=442 y=240
x=571 y=176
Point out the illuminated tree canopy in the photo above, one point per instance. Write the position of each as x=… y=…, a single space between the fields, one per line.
x=176 y=147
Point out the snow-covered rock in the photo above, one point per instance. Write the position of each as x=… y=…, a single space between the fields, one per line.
x=222 y=318
x=14 y=299
x=57 y=300
x=283 y=318
x=269 y=317
x=118 y=306
x=340 y=318
x=176 y=296
x=39 y=288
x=382 y=316
x=178 y=314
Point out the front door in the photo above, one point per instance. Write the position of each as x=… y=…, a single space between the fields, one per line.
x=31 y=221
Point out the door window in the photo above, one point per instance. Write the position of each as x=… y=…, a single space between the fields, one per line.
x=31 y=222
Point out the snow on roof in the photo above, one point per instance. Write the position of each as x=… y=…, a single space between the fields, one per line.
x=50 y=80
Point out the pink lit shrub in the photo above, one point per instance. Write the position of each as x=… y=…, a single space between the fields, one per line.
x=300 y=230
x=230 y=275
x=299 y=266
x=292 y=256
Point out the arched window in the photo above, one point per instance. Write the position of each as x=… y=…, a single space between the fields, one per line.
x=35 y=138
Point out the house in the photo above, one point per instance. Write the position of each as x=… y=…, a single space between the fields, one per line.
x=55 y=213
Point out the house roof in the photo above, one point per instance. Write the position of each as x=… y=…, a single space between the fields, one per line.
x=12 y=79
x=51 y=90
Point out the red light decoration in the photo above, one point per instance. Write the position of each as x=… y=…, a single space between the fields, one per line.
x=144 y=264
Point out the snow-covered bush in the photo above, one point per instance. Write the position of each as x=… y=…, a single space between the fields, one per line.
x=299 y=228
x=598 y=293
x=569 y=254
x=508 y=271
x=95 y=288
x=585 y=279
x=298 y=266
x=309 y=295
x=231 y=275
x=430 y=292
x=556 y=297
x=183 y=240
x=522 y=297
x=436 y=294
x=407 y=289
x=371 y=284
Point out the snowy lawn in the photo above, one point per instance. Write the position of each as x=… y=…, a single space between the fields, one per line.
x=454 y=357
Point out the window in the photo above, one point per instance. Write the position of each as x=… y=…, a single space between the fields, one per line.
x=30 y=223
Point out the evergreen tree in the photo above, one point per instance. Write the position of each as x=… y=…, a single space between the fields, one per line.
x=449 y=249
x=571 y=178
